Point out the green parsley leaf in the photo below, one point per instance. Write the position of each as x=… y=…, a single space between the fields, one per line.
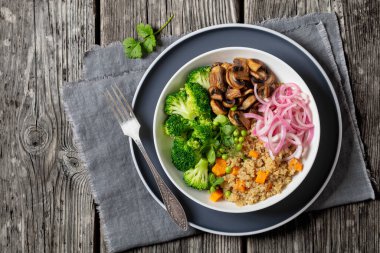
x=132 y=48
x=149 y=43
x=147 y=40
x=144 y=31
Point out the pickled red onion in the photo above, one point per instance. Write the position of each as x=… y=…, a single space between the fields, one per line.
x=285 y=120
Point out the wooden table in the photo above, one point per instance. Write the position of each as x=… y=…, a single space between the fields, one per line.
x=46 y=204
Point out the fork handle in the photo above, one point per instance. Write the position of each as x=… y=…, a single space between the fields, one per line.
x=172 y=204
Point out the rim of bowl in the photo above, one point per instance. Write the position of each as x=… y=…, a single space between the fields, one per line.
x=252 y=207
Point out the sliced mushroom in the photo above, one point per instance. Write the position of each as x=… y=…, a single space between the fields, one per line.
x=231 y=94
x=241 y=69
x=246 y=122
x=217 y=78
x=215 y=93
x=271 y=78
x=217 y=107
x=226 y=65
x=239 y=101
x=233 y=116
x=247 y=92
x=263 y=75
x=232 y=81
x=228 y=103
x=237 y=118
x=254 y=65
x=255 y=78
x=248 y=102
x=216 y=64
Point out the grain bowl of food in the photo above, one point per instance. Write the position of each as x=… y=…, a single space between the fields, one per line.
x=236 y=129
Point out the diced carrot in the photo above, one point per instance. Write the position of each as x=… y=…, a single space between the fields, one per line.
x=216 y=195
x=240 y=185
x=219 y=169
x=235 y=170
x=261 y=176
x=298 y=166
x=253 y=154
x=295 y=164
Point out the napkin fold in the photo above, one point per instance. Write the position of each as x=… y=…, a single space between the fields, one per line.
x=129 y=215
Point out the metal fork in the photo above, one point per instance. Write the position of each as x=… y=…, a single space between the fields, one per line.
x=130 y=126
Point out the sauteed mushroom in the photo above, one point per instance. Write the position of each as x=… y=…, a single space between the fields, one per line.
x=271 y=78
x=217 y=107
x=217 y=78
x=237 y=118
x=247 y=92
x=215 y=93
x=241 y=69
x=232 y=81
x=229 y=103
x=232 y=94
x=232 y=86
x=248 y=102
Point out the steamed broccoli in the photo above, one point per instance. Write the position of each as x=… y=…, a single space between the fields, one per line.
x=203 y=131
x=184 y=157
x=176 y=125
x=193 y=143
x=198 y=99
x=198 y=176
x=200 y=76
x=177 y=103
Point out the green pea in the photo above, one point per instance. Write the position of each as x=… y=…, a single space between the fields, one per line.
x=241 y=139
x=233 y=108
x=227 y=194
x=243 y=133
x=236 y=140
x=215 y=123
x=212 y=189
x=236 y=133
x=228 y=169
x=224 y=156
x=239 y=147
x=222 y=150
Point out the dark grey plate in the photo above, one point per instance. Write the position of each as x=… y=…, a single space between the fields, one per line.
x=303 y=63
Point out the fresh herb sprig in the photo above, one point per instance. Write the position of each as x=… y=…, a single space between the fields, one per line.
x=146 y=43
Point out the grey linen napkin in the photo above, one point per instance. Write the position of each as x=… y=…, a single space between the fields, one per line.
x=129 y=215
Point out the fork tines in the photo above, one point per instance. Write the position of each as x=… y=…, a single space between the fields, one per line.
x=119 y=104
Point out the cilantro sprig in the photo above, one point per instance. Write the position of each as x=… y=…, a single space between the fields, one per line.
x=146 y=43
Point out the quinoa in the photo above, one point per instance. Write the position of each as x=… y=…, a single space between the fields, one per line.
x=279 y=174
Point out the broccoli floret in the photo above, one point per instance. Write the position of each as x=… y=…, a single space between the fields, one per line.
x=203 y=131
x=193 y=143
x=198 y=99
x=201 y=76
x=198 y=176
x=176 y=125
x=184 y=157
x=177 y=103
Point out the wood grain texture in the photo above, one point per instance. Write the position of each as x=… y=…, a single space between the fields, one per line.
x=119 y=18
x=46 y=205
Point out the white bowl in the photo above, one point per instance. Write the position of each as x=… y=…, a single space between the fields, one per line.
x=163 y=142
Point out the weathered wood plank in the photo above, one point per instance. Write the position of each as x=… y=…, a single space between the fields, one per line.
x=352 y=228
x=119 y=18
x=46 y=205
x=362 y=49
